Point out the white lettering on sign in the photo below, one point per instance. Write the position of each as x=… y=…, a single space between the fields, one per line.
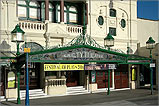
x=112 y=66
x=83 y=55
x=152 y=65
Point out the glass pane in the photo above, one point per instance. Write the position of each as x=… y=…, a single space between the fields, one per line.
x=72 y=18
x=65 y=8
x=33 y=3
x=65 y=17
x=50 y=16
x=51 y=6
x=21 y=11
x=38 y=13
x=33 y=13
x=22 y=2
x=58 y=20
x=58 y=7
x=112 y=31
x=100 y=20
x=113 y=12
x=72 y=8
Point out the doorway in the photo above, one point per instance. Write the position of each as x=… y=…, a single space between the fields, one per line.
x=102 y=79
x=72 y=78
x=121 y=77
x=34 y=76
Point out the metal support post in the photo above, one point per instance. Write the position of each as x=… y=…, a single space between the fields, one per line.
x=27 y=82
x=18 y=75
x=108 y=93
x=151 y=73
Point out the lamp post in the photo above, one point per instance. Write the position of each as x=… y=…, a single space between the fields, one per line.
x=150 y=44
x=17 y=36
x=108 y=42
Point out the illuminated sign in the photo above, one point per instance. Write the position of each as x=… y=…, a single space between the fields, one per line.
x=63 y=67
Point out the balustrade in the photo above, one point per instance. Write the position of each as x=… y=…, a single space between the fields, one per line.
x=76 y=29
x=55 y=82
x=32 y=25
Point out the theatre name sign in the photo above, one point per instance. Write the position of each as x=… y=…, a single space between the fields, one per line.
x=84 y=54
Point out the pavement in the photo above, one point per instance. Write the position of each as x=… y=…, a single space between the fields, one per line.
x=137 y=97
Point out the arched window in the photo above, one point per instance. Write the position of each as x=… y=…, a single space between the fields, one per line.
x=112 y=12
x=51 y=13
x=22 y=9
x=28 y=10
x=70 y=14
x=65 y=14
x=34 y=10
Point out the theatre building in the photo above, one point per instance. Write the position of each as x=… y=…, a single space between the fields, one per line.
x=67 y=50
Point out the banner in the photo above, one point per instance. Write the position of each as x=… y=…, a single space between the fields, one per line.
x=63 y=67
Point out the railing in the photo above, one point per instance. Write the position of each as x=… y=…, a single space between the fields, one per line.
x=28 y=25
x=76 y=29
x=55 y=82
x=32 y=25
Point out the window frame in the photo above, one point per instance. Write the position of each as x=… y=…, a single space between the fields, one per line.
x=67 y=11
x=112 y=28
x=28 y=7
x=112 y=12
x=42 y=8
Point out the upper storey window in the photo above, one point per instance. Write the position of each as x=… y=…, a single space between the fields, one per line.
x=22 y=10
x=28 y=10
x=51 y=12
x=112 y=12
x=70 y=14
x=58 y=14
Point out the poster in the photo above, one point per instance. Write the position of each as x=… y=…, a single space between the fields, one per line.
x=11 y=80
x=93 y=76
x=133 y=75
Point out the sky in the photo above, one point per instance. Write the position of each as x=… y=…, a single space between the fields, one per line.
x=148 y=9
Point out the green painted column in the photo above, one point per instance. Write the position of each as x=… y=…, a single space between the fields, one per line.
x=18 y=76
x=84 y=21
x=151 y=73
x=108 y=92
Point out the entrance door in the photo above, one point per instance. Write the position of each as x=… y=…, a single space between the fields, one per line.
x=33 y=76
x=102 y=79
x=121 y=77
x=72 y=78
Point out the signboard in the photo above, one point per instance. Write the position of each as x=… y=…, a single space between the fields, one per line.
x=26 y=50
x=95 y=67
x=63 y=67
x=138 y=61
x=152 y=65
x=112 y=66
x=77 y=54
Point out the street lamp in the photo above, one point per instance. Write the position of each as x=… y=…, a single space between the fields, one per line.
x=108 y=42
x=17 y=36
x=150 y=44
